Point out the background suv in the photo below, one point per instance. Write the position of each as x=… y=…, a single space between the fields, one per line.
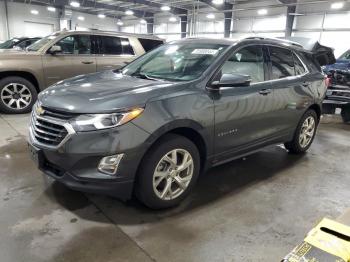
x=63 y=55
x=152 y=126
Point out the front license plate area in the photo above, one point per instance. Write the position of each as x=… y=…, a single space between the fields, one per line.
x=36 y=155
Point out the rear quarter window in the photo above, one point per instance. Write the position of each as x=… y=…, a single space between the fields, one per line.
x=311 y=62
x=149 y=44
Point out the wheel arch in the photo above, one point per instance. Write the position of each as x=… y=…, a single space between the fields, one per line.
x=26 y=75
x=317 y=109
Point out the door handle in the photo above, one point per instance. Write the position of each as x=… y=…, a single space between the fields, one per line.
x=87 y=62
x=265 y=92
x=305 y=84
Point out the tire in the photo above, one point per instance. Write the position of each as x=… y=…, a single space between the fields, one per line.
x=150 y=186
x=345 y=114
x=17 y=95
x=300 y=145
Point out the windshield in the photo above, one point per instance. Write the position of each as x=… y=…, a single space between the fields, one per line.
x=175 y=62
x=9 y=43
x=345 y=56
x=41 y=43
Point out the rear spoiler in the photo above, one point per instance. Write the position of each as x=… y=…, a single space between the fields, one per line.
x=323 y=54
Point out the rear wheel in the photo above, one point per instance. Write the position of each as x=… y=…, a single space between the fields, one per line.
x=304 y=134
x=168 y=172
x=345 y=114
x=17 y=95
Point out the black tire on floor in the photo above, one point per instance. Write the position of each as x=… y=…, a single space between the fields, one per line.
x=144 y=184
x=30 y=90
x=345 y=114
x=294 y=146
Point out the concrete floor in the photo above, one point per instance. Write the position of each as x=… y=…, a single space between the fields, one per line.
x=253 y=209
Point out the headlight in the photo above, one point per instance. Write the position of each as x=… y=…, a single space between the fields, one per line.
x=90 y=122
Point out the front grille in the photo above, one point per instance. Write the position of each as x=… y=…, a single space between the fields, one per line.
x=57 y=114
x=46 y=132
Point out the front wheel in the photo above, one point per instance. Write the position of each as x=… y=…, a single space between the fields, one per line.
x=17 y=95
x=168 y=172
x=304 y=134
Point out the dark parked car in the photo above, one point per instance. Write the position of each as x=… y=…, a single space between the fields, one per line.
x=19 y=42
x=338 y=93
x=151 y=127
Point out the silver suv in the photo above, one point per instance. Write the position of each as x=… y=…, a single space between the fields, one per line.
x=62 y=55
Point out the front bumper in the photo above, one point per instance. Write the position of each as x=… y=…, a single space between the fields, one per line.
x=75 y=163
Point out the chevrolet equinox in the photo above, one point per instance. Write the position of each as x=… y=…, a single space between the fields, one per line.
x=150 y=128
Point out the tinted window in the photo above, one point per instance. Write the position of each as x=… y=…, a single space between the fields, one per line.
x=111 y=45
x=299 y=67
x=345 y=56
x=149 y=44
x=311 y=62
x=246 y=61
x=282 y=62
x=75 y=45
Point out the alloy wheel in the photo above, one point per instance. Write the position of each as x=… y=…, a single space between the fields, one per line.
x=16 y=96
x=173 y=174
x=307 y=131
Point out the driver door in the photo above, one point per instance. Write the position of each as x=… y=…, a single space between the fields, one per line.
x=75 y=59
x=244 y=114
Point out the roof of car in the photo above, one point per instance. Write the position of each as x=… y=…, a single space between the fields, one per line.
x=255 y=40
x=98 y=32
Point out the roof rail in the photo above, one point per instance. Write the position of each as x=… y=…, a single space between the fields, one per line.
x=275 y=39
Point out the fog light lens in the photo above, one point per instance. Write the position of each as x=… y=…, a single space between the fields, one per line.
x=109 y=164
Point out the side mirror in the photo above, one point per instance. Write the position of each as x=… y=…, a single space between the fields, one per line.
x=231 y=80
x=55 y=49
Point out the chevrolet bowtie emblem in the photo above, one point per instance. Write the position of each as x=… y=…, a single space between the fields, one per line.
x=39 y=110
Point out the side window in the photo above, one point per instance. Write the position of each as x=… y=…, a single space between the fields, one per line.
x=149 y=44
x=299 y=67
x=345 y=56
x=23 y=44
x=247 y=61
x=111 y=45
x=281 y=62
x=75 y=45
x=126 y=47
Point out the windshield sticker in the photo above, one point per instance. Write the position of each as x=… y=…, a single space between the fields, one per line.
x=204 y=52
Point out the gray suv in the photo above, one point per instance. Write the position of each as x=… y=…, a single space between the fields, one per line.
x=63 y=55
x=153 y=126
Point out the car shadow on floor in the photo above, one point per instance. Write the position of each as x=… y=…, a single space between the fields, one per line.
x=215 y=185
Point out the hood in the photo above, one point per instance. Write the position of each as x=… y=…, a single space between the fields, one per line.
x=102 y=92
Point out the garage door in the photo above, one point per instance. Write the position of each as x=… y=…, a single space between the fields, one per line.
x=37 y=29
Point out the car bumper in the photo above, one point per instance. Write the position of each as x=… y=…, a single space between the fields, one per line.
x=75 y=164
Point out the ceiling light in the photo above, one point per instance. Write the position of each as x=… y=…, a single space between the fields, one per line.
x=295 y=14
x=129 y=12
x=172 y=19
x=101 y=16
x=217 y=2
x=143 y=21
x=337 y=5
x=165 y=8
x=74 y=4
x=262 y=12
x=81 y=18
x=120 y=22
x=34 y=12
x=51 y=9
x=210 y=16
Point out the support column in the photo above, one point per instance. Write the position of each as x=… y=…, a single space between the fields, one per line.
x=228 y=19
x=150 y=23
x=290 y=20
x=7 y=21
x=183 y=26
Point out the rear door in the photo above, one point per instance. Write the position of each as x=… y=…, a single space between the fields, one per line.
x=113 y=52
x=292 y=88
x=75 y=59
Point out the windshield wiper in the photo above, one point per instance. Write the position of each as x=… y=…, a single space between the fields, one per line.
x=144 y=76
